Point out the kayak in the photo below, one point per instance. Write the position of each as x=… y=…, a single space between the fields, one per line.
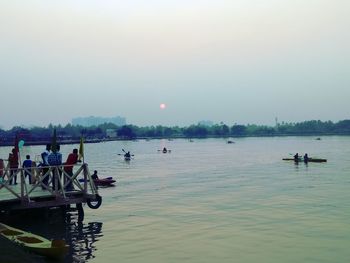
x=102 y=181
x=126 y=158
x=35 y=243
x=314 y=160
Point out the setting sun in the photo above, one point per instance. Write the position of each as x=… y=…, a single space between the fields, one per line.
x=162 y=106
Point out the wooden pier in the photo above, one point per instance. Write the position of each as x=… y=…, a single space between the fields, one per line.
x=49 y=187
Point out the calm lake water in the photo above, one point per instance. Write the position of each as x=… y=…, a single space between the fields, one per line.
x=209 y=201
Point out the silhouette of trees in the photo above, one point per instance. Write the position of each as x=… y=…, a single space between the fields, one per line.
x=238 y=130
x=73 y=132
x=127 y=132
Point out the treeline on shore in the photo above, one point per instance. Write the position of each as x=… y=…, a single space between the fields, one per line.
x=109 y=131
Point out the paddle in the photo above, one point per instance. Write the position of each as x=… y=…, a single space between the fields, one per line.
x=299 y=156
x=294 y=154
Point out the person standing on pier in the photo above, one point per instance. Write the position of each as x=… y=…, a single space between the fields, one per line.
x=13 y=161
x=27 y=165
x=45 y=164
x=68 y=168
x=55 y=159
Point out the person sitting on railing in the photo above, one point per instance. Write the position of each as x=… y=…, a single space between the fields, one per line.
x=68 y=168
x=27 y=165
x=55 y=159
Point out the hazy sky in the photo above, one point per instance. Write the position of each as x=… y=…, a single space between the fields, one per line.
x=236 y=61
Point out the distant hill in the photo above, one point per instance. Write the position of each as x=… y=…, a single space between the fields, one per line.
x=95 y=121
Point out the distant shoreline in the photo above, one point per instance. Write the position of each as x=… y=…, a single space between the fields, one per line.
x=27 y=143
x=87 y=141
x=71 y=134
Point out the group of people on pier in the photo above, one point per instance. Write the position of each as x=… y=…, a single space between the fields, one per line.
x=51 y=156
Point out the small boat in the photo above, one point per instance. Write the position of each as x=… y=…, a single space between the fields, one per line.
x=127 y=155
x=53 y=249
x=314 y=160
x=102 y=182
x=229 y=142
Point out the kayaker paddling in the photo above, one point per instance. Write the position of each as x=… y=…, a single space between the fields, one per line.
x=127 y=155
x=296 y=157
x=165 y=150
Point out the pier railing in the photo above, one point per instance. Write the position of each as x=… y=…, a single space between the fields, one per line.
x=57 y=182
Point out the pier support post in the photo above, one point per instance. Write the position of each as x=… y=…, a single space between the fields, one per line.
x=80 y=212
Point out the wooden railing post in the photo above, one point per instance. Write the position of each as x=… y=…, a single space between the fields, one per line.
x=85 y=177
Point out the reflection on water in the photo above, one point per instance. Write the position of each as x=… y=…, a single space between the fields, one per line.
x=81 y=239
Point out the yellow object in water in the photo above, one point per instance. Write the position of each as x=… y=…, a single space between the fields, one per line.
x=35 y=243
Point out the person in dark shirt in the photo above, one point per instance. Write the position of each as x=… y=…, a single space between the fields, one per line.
x=13 y=161
x=94 y=176
x=296 y=157
x=45 y=163
x=27 y=165
x=127 y=156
